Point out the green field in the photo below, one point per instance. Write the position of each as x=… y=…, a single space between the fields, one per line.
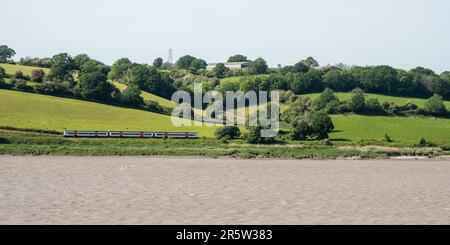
x=148 y=96
x=401 y=129
x=26 y=70
x=27 y=110
x=381 y=98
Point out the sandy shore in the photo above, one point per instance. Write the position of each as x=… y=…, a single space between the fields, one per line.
x=189 y=190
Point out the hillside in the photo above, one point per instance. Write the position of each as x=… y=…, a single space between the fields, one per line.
x=381 y=98
x=27 y=110
x=26 y=70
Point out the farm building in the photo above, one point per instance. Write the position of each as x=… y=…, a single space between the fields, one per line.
x=230 y=65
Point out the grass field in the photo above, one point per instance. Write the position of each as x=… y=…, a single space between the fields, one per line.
x=148 y=96
x=27 y=110
x=401 y=129
x=381 y=98
x=26 y=70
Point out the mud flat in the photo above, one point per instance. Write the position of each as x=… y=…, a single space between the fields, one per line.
x=189 y=190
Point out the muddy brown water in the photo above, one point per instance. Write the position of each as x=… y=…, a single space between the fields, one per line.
x=190 y=190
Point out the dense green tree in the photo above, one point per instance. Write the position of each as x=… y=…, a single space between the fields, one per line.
x=300 y=67
x=237 y=58
x=297 y=110
x=324 y=99
x=229 y=132
x=301 y=130
x=196 y=65
x=373 y=107
x=259 y=66
x=185 y=62
x=321 y=124
x=62 y=66
x=80 y=60
x=91 y=66
x=131 y=95
x=119 y=69
x=308 y=82
x=94 y=85
x=435 y=106
x=357 y=101
x=254 y=136
x=158 y=62
x=310 y=62
x=249 y=84
x=149 y=79
x=37 y=75
x=341 y=81
x=6 y=53
x=2 y=72
x=220 y=70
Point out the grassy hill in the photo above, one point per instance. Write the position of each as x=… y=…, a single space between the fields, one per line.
x=26 y=70
x=381 y=98
x=27 y=110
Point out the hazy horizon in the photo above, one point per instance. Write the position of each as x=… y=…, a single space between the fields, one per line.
x=403 y=34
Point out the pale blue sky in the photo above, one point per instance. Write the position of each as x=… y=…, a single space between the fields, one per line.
x=401 y=33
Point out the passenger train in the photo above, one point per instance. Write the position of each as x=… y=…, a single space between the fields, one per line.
x=129 y=134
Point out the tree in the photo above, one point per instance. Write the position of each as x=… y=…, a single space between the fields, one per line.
x=357 y=101
x=220 y=70
x=196 y=65
x=185 y=62
x=324 y=99
x=6 y=53
x=80 y=60
x=300 y=67
x=131 y=95
x=237 y=58
x=308 y=82
x=301 y=131
x=259 y=66
x=37 y=75
x=94 y=85
x=158 y=62
x=94 y=65
x=119 y=69
x=373 y=106
x=149 y=79
x=249 y=84
x=341 y=81
x=320 y=124
x=254 y=136
x=230 y=132
x=310 y=62
x=62 y=66
x=435 y=106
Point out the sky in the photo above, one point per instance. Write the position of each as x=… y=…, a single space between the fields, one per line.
x=400 y=33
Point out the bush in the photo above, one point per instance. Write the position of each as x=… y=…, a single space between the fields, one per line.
x=2 y=73
x=435 y=106
x=320 y=124
x=387 y=138
x=37 y=75
x=301 y=131
x=357 y=101
x=254 y=136
x=230 y=132
x=132 y=96
x=4 y=141
x=52 y=88
x=20 y=75
x=153 y=106
x=373 y=107
x=423 y=143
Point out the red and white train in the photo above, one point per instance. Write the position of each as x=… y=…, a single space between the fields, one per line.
x=129 y=134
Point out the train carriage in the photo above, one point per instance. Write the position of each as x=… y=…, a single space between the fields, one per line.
x=86 y=134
